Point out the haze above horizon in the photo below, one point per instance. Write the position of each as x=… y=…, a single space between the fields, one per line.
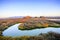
x=11 y=8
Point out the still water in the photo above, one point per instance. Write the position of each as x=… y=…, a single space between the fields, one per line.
x=14 y=31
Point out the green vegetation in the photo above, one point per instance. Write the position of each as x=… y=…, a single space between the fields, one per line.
x=0 y=33
x=28 y=23
x=33 y=24
x=42 y=36
x=14 y=38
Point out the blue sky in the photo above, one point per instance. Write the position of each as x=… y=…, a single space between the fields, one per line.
x=10 y=8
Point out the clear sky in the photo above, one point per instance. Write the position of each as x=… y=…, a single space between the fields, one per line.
x=10 y=8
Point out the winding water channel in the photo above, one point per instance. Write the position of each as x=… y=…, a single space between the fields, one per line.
x=14 y=31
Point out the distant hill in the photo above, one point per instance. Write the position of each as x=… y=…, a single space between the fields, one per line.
x=17 y=17
x=14 y=17
x=49 y=17
x=53 y=17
